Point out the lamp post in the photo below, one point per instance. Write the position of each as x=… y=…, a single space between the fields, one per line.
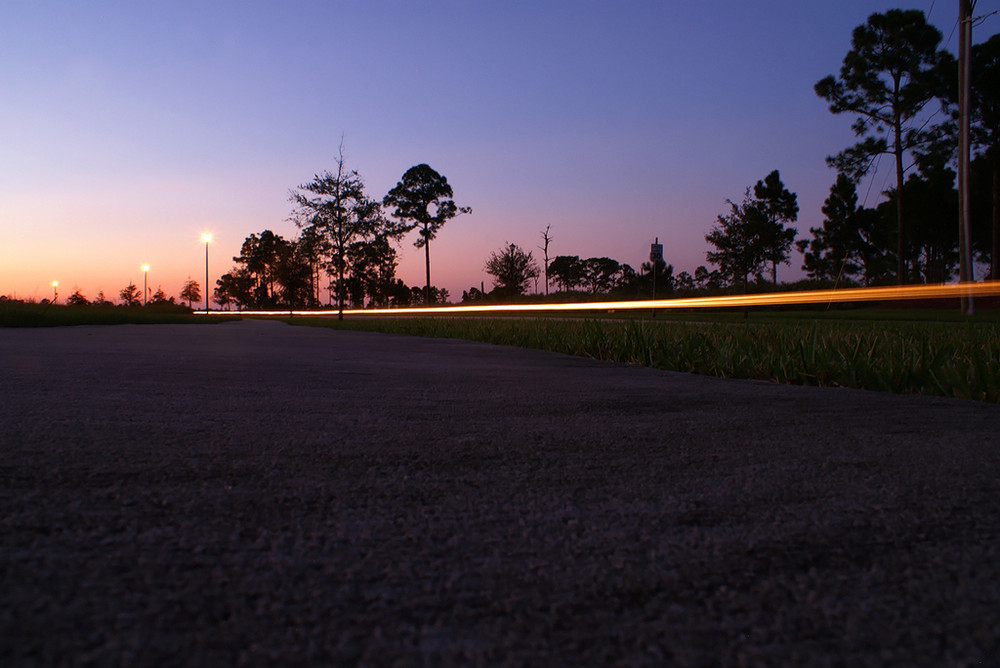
x=145 y=290
x=55 y=292
x=207 y=238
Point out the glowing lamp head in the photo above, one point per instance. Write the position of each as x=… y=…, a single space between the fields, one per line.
x=145 y=267
x=206 y=237
x=55 y=284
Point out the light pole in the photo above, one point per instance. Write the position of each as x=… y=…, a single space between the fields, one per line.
x=145 y=290
x=207 y=238
x=55 y=292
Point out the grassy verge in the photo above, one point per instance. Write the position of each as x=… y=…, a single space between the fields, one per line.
x=19 y=314
x=935 y=358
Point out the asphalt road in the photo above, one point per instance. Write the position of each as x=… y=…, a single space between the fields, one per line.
x=258 y=494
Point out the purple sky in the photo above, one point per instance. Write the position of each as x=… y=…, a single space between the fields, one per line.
x=128 y=128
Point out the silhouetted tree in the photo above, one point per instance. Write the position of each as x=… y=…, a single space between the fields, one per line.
x=77 y=299
x=739 y=251
x=160 y=297
x=261 y=257
x=130 y=295
x=473 y=294
x=778 y=206
x=664 y=277
x=419 y=191
x=546 y=240
x=985 y=133
x=399 y=294
x=512 y=270
x=335 y=207
x=373 y=266
x=191 y=291
x=850 y=243
x=703 y=278
x=568 y=271
x=891 y=73
x=932 y=216
x=601 y=273
x=235 y=287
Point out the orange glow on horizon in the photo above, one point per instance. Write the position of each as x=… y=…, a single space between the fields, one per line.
x=895 y=293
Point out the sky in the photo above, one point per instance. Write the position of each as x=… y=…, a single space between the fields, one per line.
x=127 y=129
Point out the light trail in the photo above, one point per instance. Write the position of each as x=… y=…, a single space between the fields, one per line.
x=895 y=293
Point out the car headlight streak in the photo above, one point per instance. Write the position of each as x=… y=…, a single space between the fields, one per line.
x=894 y=293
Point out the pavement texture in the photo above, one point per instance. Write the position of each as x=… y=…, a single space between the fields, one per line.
x=253 y=493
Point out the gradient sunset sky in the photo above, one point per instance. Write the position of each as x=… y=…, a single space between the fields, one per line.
x=129 y=128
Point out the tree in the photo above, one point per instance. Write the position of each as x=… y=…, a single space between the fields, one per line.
x=130 y=295
x=891 y=73
x=932 y=215
x=191 y=291
x=663 y=280
x=473 y=294
x=778 y=206
x=335 y=207
x=419 y=191
x=851 y=241
x=261 y=257
x=601 y=273
x=703 y=278
x=985 y=131
x=512 y=270
x=77 y=299
x=373 y=266
x=160 y=297
x=235 y=287
x=739 y=252
x=294 y=273
x=546 y=239
x=568 y=271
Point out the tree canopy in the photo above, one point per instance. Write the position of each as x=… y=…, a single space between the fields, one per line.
x=422 y=199
x=512 y=270
x=893 y=70
x=336 y=214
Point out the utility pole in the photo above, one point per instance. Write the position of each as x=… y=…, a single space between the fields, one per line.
x=965 y=268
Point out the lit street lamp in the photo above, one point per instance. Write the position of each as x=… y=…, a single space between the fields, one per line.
x=207 y=238
x=55 y=293
x=145 y=290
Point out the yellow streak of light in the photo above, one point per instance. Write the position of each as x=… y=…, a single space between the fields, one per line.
x=895 y=293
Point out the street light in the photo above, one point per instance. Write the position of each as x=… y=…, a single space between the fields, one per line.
x=207 y=238
x=55 y=293
x=145 y=290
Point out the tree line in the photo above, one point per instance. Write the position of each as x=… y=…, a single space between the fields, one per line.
x=889 y=82
x=347 y=236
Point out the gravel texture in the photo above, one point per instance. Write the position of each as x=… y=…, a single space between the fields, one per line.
x=257 y=494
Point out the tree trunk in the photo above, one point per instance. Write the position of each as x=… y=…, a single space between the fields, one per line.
x=427 y=255
x=340 y=292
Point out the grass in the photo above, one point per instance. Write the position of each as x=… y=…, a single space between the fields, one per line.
x=931 y=357
x=21 y=314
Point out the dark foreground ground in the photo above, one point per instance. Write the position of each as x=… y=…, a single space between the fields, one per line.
x=257 y=494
